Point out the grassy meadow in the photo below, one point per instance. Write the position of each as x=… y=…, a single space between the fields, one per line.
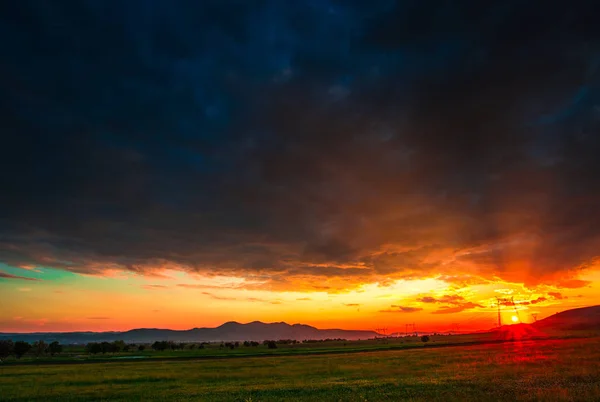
x=77 y=353
x=559 y=369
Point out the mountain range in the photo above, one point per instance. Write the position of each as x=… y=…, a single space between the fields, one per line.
x=230 y=331
x=586 y=318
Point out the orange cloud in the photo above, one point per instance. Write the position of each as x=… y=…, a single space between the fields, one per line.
x=401 y=309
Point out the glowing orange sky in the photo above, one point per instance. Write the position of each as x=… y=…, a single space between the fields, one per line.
x=63 y=301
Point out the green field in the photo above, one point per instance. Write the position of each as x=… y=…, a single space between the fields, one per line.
x=566 y=369
x=77 y=353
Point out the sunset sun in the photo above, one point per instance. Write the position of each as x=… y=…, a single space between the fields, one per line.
x=514 y=318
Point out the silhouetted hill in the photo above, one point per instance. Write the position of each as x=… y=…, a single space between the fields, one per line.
x=230 y=331
x=586 y=318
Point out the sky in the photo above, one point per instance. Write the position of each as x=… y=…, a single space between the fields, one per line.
x=347 y=164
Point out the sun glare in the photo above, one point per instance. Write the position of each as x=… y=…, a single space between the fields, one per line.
x=515 y=318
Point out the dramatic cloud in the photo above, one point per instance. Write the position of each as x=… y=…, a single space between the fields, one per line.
x=217 y=297
x=556 y=295
x=401 y=309
x=5 y=275
x=538 y=300
x=309 y=146
x=445 y=299
x=457 y=308
x=511 y=303
x=454 y=303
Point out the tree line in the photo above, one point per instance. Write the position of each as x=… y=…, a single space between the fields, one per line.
x=40 y=348
x=19 y=348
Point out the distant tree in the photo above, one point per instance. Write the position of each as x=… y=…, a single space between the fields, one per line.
x=141 y=348
x=39 y=348
x=93 y=348
x=237 y=344
x=106 y=347
x=117 y=346
x=425 y=338
x=6 y=348
x=55 y=348
x=272 y=345
x=21 y=348
x=160 y=345
x=246 y=344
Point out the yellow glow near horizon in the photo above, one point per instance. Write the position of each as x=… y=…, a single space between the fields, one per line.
x=63 y=301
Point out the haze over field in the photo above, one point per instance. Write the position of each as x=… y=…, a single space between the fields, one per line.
x=341 y=164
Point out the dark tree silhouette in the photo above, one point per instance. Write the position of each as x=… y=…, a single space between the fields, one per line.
x=117 y=346
x=160 y=345
x=141 y=348
x=55 y=348
x=425 y=338
x=93 y=348
x=39 y=348
x=6 y=348
x=21 y=348
x=106 y=347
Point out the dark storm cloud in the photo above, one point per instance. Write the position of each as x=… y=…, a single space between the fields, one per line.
x=319 y=142
x=6 y=275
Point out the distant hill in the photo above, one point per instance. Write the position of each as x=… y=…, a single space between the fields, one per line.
x=586 y=318
x=230 y=331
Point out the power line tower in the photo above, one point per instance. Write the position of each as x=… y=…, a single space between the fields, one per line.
x=506 y=302
x=512 y=300
x=382 y=331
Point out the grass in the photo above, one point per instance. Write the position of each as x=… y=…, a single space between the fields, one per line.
x=77 y=354
x=530 y=370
